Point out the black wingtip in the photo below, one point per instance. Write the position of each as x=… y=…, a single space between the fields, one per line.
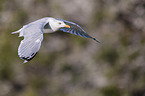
x=28 y=58
x=96 y=40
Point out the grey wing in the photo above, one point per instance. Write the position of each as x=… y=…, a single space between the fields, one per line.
x=33 y=36
x=29 y=47
x=76 y=29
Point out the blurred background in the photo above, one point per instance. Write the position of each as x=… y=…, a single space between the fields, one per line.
x=69 y=65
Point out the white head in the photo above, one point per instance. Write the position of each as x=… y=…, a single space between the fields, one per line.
x=57 y=24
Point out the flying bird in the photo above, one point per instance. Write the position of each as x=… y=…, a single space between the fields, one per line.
x=33 y=34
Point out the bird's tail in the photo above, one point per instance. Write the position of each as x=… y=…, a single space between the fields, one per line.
x=15 y=32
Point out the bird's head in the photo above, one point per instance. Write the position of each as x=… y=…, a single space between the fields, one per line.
x=57 y=24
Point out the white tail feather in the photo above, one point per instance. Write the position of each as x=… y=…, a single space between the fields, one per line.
x=15 y=32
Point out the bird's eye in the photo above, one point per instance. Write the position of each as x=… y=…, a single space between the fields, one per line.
x=59 y=23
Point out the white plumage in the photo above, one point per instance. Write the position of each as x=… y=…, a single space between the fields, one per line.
x=33 y=34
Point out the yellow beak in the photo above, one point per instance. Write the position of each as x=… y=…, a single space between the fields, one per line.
x=67 y=26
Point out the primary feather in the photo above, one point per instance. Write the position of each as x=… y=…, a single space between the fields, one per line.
x=76 y=29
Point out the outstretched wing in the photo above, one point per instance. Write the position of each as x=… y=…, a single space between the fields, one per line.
x=33 y=36
x=76 y=29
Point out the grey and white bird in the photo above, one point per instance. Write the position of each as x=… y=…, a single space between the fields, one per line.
x=33 y=34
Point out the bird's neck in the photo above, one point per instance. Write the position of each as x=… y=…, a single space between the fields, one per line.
x=53 y=25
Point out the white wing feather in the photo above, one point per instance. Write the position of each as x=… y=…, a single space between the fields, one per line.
x=33 y=36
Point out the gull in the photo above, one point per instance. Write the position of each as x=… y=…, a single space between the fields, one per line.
x=33 y=34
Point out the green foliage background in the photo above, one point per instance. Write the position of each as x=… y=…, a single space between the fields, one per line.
x=69 y=65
